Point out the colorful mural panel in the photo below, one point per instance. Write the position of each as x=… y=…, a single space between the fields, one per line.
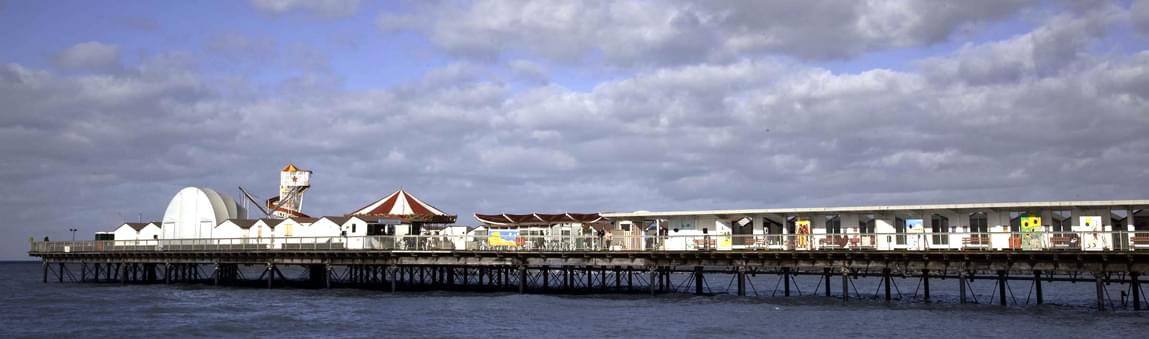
x=916 y=237
x=503 y=238
x=1030 y=232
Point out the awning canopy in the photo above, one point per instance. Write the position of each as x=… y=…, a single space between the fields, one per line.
x=405 y=207
x=537 y=219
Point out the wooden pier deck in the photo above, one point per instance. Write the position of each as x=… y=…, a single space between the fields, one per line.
x=592 y=271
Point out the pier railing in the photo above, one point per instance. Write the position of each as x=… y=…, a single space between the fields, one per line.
x=963 y=241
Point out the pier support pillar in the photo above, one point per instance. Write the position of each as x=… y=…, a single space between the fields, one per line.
x=649 y=273
x=845 y=284
x=741 y=281
x=1001 y=287
x=150 y=273
x=629 y=279
x=926 y=284
x=44 y=266
x=1100 y=291
x=962 y=287
x=466 y=276
x=123 y=274
x=886 y=279
x=546 y=272
x=1037 y=287
x=270 y=275
x=60 y=272
x=699 y=280
x=394 y=273
x=317 y=275
x=786 y=281
x=589 y=278
x=522 y=279
x=602 y=278
x=617 y=278
x=1135 y=285
x=826 y=276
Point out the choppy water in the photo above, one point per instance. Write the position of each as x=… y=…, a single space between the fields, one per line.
x=29 y=308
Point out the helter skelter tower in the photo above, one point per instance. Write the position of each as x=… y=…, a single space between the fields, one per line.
x=292 y=183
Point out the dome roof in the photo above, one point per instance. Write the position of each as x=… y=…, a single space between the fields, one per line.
x=194 y=211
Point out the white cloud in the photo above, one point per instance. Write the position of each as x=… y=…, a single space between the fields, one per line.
x=673 y=32
x=1047 y=50
x=331 y=8
x=92 y=55
x=1139 y=11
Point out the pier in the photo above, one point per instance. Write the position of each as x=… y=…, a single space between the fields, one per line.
x=573 y=270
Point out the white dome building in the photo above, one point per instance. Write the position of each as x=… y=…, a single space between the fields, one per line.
x=194 y=212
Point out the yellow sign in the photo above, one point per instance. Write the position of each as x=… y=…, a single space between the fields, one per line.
x=803 y=233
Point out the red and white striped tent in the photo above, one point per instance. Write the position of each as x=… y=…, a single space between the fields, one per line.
x=407 y=208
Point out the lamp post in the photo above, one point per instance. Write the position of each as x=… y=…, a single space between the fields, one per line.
x=73 y=230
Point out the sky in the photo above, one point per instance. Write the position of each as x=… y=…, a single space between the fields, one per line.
x=108 y=108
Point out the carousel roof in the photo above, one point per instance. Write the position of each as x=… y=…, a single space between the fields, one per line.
x=537 y=219
x=405 y=207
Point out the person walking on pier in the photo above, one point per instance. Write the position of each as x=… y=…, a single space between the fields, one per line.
x=608 y=237
x=599 y=233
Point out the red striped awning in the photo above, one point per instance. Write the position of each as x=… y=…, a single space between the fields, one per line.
x=405 y=207
x=537 y=219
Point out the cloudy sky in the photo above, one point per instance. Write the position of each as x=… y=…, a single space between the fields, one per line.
x=107 y=108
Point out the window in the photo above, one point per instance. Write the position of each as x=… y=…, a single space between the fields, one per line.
x=1015 y=221
x=978 y=223
x=288 y=229
x=866 y=224
x=833 y=225
x=900 y=229
x=1061 y=221
x=939 y=226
